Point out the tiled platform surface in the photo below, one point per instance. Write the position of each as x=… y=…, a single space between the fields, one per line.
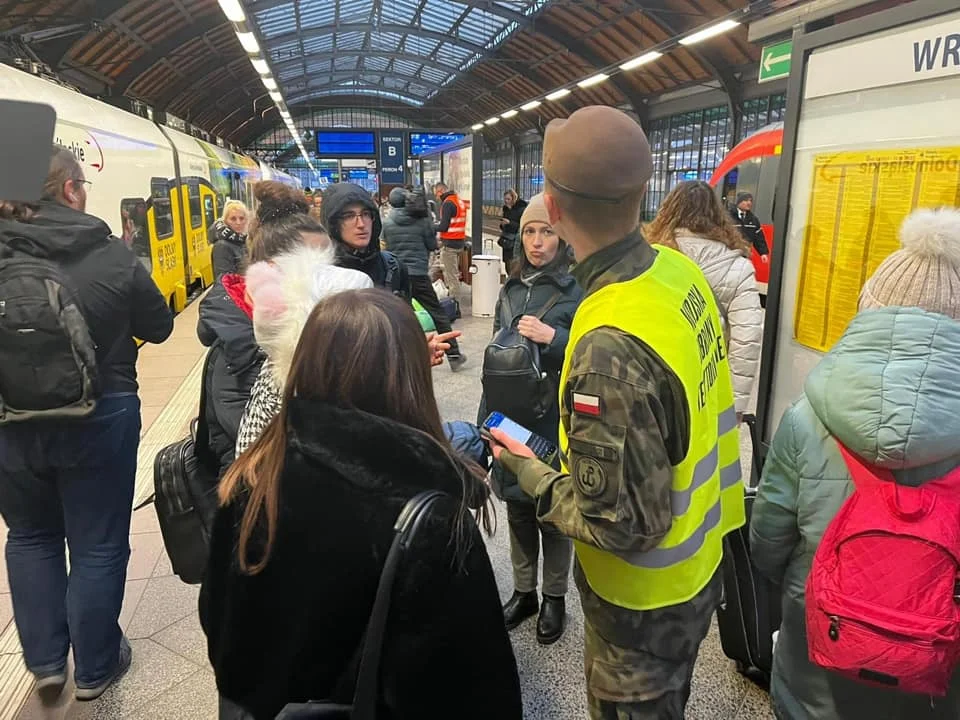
x=170 y=676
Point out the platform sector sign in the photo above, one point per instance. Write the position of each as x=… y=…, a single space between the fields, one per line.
x=858 y=202
x=392 y=159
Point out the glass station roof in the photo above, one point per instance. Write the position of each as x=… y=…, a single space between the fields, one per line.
x=405 y=50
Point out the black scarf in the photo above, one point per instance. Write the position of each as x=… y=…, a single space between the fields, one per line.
x=225 y=233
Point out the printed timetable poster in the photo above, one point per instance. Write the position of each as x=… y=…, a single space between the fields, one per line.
x=858 y=201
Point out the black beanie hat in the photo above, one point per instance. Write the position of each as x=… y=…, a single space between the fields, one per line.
x=741 y=197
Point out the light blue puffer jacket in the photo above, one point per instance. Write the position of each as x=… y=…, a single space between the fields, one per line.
x=890 y=391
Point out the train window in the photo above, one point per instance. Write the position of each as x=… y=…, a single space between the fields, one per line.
x=136 y=235
x=193 y=192
x=209 y=211
x=163 y=213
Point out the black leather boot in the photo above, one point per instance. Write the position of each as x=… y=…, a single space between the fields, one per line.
x=519 y=608
x=552 y=620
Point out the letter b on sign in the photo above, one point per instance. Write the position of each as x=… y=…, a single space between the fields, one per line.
x=392 y=151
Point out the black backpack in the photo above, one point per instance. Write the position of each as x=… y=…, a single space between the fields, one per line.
x=513 y=379
x=185 y=493
x=48 y=363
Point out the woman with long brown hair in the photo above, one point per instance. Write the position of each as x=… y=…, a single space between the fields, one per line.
x=307 y=518
x=693 y=221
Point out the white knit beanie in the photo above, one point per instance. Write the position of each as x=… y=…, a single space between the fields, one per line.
x=925 y=271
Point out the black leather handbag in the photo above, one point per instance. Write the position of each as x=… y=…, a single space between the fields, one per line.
x=366 y=695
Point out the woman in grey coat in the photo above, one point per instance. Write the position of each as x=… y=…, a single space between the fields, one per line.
x=540 y=276
x=889 y=390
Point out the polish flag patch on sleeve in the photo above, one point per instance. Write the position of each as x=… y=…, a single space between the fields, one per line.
x=586 y=404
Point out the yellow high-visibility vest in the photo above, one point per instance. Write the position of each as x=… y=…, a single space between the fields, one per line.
x=672 y=309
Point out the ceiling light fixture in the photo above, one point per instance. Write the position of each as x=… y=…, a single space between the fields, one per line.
x=642 y=60
x=594 y=80
x=233 y=10
x=531 y=105
x=260 y=65
x=248 y=42
x=276 y=97
x=557 y=94
x=509 y=114
x=269 y=83
x=492 y=121
x=478 y=126
x=709 y=32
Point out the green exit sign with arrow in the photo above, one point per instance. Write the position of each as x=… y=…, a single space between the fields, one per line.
x=775 y=61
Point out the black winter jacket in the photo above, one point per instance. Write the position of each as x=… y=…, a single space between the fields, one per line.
x=411 y=239
x=526 y=300
x=233 y=366
x=749 y=226
x=115 y=292
x=229 y=250
x=510 y=233
x=291 y=632
x=384 y=268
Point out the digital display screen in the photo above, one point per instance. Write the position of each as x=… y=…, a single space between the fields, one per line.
x=345 y=143
x=422 y=143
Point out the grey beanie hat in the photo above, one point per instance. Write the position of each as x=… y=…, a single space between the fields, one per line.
x=925 y=271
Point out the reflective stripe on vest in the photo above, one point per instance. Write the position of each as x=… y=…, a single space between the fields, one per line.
x=458 y=224
x=672 y=310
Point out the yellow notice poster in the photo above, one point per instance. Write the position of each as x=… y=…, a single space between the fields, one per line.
x=857 y=203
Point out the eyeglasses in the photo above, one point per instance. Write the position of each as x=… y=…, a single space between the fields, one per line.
x=354 y=216
x=83 y=182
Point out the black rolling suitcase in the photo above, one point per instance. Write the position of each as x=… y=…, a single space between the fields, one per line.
x=750 y=610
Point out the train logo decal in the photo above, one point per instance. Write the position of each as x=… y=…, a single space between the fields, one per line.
x=85 y=149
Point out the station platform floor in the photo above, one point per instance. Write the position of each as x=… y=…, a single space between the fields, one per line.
x=170 y=676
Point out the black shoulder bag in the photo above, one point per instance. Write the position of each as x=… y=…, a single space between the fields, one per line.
x=367 y=694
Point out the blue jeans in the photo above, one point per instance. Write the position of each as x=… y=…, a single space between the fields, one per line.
x=70 y=481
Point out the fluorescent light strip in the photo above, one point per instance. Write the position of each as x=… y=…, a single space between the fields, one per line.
x=233 y=10
x=276 y=96
x=248 y=42
x=509 y=114
x=492 y=121
x=531 y=105
x=557 y=94
x=595 y=80
x=642 y=60
x=269 y=83
x=478 y=126
x=707 y=33
x=260 y=65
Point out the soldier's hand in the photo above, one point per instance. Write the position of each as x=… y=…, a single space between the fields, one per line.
x=502 y=442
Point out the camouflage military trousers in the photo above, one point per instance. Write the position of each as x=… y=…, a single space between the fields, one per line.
x=639 y=665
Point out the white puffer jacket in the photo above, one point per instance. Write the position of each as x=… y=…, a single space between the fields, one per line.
x=732 y=278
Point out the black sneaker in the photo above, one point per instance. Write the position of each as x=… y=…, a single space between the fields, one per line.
x=457 y=361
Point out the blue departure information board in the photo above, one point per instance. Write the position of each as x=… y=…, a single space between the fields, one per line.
x=423 y=143
x=338 y=144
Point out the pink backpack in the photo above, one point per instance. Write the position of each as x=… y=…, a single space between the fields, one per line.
x=883 y=594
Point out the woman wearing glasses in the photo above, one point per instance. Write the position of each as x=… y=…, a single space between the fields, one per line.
x=353 y=221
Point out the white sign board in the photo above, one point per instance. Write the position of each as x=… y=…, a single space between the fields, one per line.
x=924 y=51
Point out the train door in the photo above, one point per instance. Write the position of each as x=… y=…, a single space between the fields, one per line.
x=208 y=204
x=199 y=267
x=163 y=221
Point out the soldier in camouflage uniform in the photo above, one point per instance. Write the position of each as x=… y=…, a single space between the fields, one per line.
x=626 y=417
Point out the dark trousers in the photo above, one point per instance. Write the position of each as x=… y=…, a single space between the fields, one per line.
x=526 y=536
x=73 y=482
x=422 y=290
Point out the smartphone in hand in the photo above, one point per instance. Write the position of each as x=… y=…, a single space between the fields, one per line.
x=542 y=448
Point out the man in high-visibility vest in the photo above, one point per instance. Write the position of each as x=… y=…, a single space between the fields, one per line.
x=453 y=235
x=650 y=479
